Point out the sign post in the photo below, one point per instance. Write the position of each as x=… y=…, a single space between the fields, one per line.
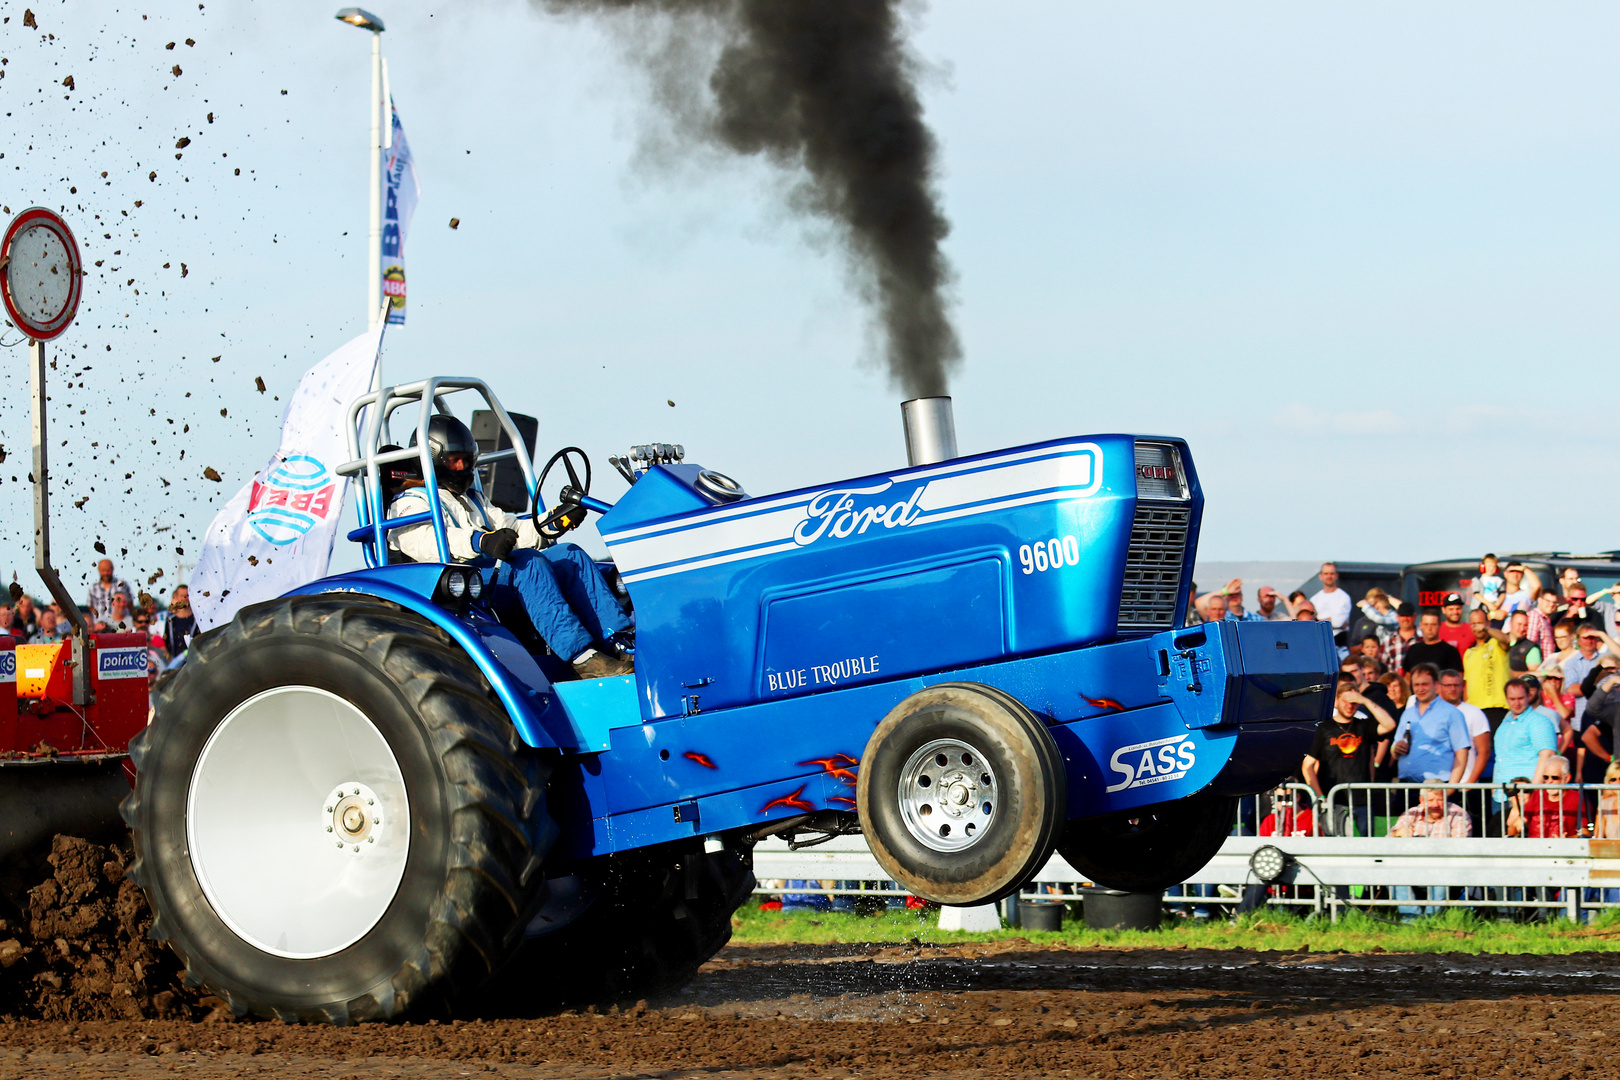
x=41 y=279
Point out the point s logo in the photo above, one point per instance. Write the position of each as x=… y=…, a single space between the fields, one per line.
x=124 y=662
x=295 y=495
x=1154 y=762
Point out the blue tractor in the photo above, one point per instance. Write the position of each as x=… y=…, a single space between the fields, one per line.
x=380 y=795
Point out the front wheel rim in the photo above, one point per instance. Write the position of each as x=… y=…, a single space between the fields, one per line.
x=948 y=795
x=298 y=822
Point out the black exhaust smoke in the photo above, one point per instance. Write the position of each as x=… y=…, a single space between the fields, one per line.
x=823 y=87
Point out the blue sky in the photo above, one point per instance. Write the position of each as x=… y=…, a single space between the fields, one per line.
x=1363 y=256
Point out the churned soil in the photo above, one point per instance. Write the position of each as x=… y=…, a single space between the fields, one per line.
x=73 y=941
x=83 y=990
x=984 y=1010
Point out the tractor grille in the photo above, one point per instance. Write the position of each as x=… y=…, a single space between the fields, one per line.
x=1147 y=603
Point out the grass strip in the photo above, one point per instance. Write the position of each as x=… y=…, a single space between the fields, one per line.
x=1457 y=930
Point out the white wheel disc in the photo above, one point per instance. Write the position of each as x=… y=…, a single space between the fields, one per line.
x=298 y=822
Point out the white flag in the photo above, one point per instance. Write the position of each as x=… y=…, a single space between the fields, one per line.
x=399 y=204
x=277 y=533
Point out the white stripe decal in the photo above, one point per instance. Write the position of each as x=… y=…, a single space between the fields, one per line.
x=917 y=497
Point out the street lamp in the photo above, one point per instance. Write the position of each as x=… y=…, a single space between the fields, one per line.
x=365 y=20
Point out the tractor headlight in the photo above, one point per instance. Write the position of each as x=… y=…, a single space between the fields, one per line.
x=455 y=583
x=475 y=584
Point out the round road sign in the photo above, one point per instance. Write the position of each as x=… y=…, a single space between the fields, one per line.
x=40 y=273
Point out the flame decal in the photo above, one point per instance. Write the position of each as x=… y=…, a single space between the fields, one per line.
x=701 y=759
x=842 y=799
x=789 y=802
x=1106 y=704
x=838 y=766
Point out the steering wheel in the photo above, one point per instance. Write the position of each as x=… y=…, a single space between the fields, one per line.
x=563 y=518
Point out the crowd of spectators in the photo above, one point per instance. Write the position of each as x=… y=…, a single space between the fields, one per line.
x=111 y=607
x=1517 y=683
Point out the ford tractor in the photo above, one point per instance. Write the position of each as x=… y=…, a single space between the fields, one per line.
x=382 y=795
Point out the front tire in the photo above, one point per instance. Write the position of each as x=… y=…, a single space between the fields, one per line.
x=333 y=820
x=626 y=926
x=1150 y=849
x=962 y=793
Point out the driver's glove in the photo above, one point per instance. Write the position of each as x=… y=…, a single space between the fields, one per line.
x=572 y=519
x=498 y=544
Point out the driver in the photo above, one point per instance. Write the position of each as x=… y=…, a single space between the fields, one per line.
x=562 y=590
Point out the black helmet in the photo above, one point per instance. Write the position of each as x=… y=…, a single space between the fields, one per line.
x=446 y=436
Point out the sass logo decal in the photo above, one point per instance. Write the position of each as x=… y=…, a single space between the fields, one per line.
x=127 y=662
x=842 y=512
x=1157 y=761
x=8 y=667
x=295 y=496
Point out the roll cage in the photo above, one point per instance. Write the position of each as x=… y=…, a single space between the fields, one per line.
x=368 y=421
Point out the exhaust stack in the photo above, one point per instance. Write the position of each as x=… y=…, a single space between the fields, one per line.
x=930 y=430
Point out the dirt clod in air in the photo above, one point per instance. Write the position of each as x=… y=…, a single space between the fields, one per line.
x=80 y=952
x=212 y=474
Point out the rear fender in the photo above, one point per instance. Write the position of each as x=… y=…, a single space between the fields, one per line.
x=523 y=689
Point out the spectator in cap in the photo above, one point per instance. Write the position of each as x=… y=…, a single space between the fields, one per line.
x=1332 y=603
x=1547 y=696
x=1403 y=638
x=1520 y=592
x=1271 y=606
x=1524 y=655
x=1430 y=649
x=1453 y=627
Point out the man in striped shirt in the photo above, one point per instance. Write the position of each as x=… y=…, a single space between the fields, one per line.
x=102 y=591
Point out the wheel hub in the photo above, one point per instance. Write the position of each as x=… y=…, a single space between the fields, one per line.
x=298 y=822
x=948 y=795
x=353 y=816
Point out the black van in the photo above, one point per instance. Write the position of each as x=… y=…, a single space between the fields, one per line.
x=1426 y=584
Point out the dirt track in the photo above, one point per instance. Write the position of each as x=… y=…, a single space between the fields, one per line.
x=974 y=1010
x=82 y=989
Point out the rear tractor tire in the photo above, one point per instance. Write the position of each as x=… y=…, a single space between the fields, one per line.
x=1151 y=849
x=962 y=794
x=333 y=819
x=626 y=926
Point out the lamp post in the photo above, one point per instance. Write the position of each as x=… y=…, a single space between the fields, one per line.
x=367 y=21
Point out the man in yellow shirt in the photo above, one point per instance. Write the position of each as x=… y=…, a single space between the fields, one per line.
x=1485 y=668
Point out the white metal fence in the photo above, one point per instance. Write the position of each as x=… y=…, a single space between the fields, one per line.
x=1337 y=854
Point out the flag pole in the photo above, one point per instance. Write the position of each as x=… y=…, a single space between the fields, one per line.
x=374 y=256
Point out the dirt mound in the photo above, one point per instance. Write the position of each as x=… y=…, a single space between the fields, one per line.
x=80 y=949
